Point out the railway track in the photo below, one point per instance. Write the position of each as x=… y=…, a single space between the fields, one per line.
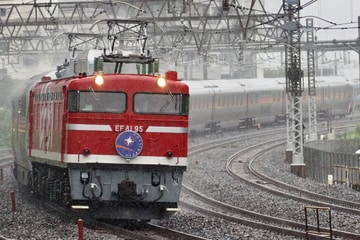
x=239 y=169
x=151 y=231
x=272 y=185
x=146 y=231
x=276 y=187
x=6 y=160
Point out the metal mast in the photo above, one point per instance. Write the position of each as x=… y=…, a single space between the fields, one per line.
x=294 y=85
x=311 y=79
x=186 y=33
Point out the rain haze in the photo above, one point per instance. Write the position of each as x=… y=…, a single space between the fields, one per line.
x=340 y=17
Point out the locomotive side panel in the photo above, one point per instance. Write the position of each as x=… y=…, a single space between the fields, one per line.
x=22 y=165
x=20 y=130
x=46 y=121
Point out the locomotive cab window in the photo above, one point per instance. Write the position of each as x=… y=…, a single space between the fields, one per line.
x=156 y=103
x=91 y=101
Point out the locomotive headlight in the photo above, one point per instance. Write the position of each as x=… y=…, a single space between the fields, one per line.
x=99 y=78
x=84 y=177
x=161 y=82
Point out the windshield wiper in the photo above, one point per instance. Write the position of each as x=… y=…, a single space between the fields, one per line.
x=94 y=94
x=172 y=99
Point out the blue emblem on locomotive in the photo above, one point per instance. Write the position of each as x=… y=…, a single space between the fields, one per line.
x=129 y=144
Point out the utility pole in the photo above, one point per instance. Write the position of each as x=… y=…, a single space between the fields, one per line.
x=359 y=45
x=311 y=79
x=294 y=85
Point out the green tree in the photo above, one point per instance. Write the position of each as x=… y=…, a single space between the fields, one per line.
x=356 y=133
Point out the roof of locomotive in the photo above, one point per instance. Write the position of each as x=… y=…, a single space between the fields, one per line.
x=262 y=84
x=115 y=82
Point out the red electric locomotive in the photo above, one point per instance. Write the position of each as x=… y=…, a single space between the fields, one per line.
x=113 y=143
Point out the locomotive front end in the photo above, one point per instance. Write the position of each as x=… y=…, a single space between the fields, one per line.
x=126 y=145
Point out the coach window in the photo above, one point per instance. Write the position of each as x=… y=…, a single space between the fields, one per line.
x=101 y=102
x=155 y=103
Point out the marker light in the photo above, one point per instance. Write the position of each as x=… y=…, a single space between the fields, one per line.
x=99 y=79
x=84 y=177
x=161 y=82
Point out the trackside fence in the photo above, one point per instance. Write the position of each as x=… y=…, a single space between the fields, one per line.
x=333 y=162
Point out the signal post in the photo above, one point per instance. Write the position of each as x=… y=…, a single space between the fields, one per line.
x=294 y=84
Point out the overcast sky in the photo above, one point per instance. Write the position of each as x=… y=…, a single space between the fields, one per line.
x=337 y=11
